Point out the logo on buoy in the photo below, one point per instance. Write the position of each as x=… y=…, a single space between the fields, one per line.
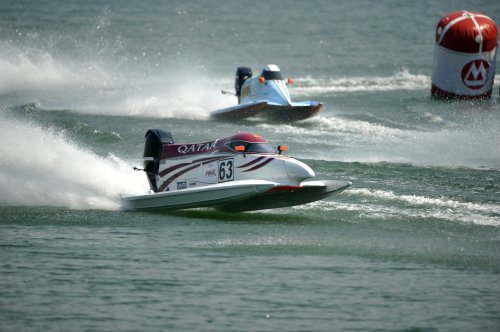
x=475 y=74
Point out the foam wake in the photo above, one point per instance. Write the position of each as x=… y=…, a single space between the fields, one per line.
x=41 y=167
x=402 y=80
x=380 y=204
x=340 y=139
x=86 y=85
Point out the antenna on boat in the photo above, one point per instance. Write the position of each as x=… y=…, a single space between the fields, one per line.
x=224 y=92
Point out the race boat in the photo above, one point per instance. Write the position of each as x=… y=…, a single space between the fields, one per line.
x=266 y=97
x=242 y=172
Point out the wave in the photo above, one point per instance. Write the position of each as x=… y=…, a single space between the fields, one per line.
x=321 y=126
x=401 y=80
x=380 y=204
x=86 y=85
x=90 y=85
x=109 y=85
x=348 y=140
x=113 y=85
x=47 y=169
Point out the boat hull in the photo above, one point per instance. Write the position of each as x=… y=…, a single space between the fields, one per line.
x=211 y=195
x=269 y=112
x=237 y=196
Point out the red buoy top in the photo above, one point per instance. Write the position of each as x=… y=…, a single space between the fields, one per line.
x=467 y=32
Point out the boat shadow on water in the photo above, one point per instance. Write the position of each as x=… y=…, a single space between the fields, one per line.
x=254 y=217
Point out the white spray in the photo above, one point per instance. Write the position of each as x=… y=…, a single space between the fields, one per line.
x=42 y=167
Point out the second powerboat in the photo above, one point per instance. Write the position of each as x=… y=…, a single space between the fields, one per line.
x=266 y=96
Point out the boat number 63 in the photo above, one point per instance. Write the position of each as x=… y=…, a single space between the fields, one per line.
x=226 y=170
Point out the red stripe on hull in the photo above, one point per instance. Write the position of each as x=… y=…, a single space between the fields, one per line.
x=285 y=188
x=260 y=165
x=203 y=160
x=251 y=163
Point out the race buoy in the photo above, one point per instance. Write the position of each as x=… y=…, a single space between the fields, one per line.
x=464 y=56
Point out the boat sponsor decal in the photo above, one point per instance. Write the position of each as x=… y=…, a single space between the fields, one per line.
x=475 y=74
x=176 y=150
x=182 y=185
x=210 y=172
x=226 y=170
x=194 y=148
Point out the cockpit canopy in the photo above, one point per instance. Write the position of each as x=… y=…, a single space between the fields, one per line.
x=272 y=72
x=253 y=143
x=251 y=147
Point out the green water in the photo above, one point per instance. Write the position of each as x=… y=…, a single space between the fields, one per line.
x=92 y=270
x=412 y=245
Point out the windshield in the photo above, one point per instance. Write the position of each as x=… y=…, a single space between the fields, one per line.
x=252 y=147
x=272 y=75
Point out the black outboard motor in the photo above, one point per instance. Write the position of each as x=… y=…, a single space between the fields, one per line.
x=153 y=147
x=242 y=74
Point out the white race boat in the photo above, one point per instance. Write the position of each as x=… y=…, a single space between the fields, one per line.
x=237 y=173
x=267 y=97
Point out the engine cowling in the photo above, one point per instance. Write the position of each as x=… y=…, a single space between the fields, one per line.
x=153 y=147
x=242 y=74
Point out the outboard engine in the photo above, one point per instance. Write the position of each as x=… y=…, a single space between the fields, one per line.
x=153 y=147
x=242 y=74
